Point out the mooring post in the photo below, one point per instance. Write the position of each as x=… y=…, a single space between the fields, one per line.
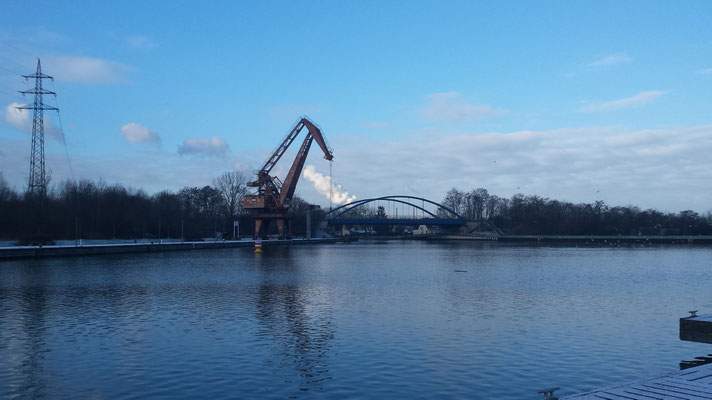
x=549 y=393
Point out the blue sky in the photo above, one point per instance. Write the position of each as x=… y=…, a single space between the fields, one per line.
x=579 y=101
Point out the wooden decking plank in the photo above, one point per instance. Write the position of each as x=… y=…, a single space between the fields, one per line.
x=668 y=392
x=695 y=387
x=678 y=381
x=696 y=373
x=602 y=396
x=623 y=395
x=612 y=396
x=707 y=376
x=627 y=391
x=679 y=391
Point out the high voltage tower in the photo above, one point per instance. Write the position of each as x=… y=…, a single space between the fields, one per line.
x=38 y=178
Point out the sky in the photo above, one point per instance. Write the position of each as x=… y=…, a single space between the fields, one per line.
x=576 y=101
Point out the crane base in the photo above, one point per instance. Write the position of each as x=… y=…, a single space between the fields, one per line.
x=263 y=221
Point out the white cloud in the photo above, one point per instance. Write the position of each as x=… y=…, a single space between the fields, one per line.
x=20 y=119
x=137 y=133
x=141 y=42
x=448 y=107
x=665 y=169
x=608 y=61
x=204 y=146
x=636 y=100
x=323 y=185
x=86 y=70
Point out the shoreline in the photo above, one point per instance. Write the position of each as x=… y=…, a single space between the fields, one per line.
x=591 y=239
x=20 y=252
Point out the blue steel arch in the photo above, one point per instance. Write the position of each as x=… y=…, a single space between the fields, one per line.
x=353 y=205
x=338 y=211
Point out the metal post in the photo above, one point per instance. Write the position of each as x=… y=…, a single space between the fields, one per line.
x=309 y=222
x=182 y=236
x=76 y=231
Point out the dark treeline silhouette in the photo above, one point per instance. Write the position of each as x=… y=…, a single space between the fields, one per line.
x=97 y=210
x=534 y=215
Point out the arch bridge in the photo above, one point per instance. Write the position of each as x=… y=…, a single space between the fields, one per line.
x=444 y=216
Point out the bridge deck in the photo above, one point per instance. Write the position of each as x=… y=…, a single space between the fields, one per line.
x=690 y=384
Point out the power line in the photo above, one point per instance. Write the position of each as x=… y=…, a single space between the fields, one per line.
x=64 y=137
x=22 y=66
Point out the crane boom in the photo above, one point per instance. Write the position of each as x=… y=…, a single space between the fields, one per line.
x=271 y=201
x=282 y=148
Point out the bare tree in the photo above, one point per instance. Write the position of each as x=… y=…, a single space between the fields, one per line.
x=5 y=191
x=231 y=186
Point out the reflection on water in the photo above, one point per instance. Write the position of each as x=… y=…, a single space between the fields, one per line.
x=357 y=320
x=302 y=339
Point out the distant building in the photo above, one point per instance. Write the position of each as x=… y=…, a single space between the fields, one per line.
x=422 y=230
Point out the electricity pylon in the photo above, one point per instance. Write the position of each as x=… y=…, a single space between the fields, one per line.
x=38 y=179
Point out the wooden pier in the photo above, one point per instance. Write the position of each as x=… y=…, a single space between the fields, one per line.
x=690 y=384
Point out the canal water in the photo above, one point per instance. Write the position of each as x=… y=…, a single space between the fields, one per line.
x=364 y=320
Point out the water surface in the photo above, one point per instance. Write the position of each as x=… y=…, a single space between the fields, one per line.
x=361 y=320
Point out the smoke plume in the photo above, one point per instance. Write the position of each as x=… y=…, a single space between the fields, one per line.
x=322 y=183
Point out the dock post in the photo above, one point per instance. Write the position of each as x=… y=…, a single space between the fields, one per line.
x=549 y=393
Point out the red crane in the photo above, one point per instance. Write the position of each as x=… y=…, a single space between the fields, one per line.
x=272 y=197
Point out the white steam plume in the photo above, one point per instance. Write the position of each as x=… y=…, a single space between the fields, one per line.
x=322 y=184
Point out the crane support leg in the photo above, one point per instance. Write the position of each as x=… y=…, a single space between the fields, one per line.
x=280 y=228
x=258 y=226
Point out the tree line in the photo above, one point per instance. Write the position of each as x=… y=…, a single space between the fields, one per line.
x=91 y=209
x=535 y=215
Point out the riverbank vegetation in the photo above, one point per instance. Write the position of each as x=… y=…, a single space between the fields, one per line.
x=98 y=210
x=534 y=215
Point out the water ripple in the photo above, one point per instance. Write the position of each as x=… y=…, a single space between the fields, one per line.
x=346 y=321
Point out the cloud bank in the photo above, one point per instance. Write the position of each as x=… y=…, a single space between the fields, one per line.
x=667 y=169
x=21 y=120
x=323 y=183
x=208 y=146
x=449 y=107
x=87 y=70
x=608 y=61
x=636 y=100
x=136 y=133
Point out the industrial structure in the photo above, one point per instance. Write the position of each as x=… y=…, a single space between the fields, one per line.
x=444 y=216
x=271 y=200
x=37 y=184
